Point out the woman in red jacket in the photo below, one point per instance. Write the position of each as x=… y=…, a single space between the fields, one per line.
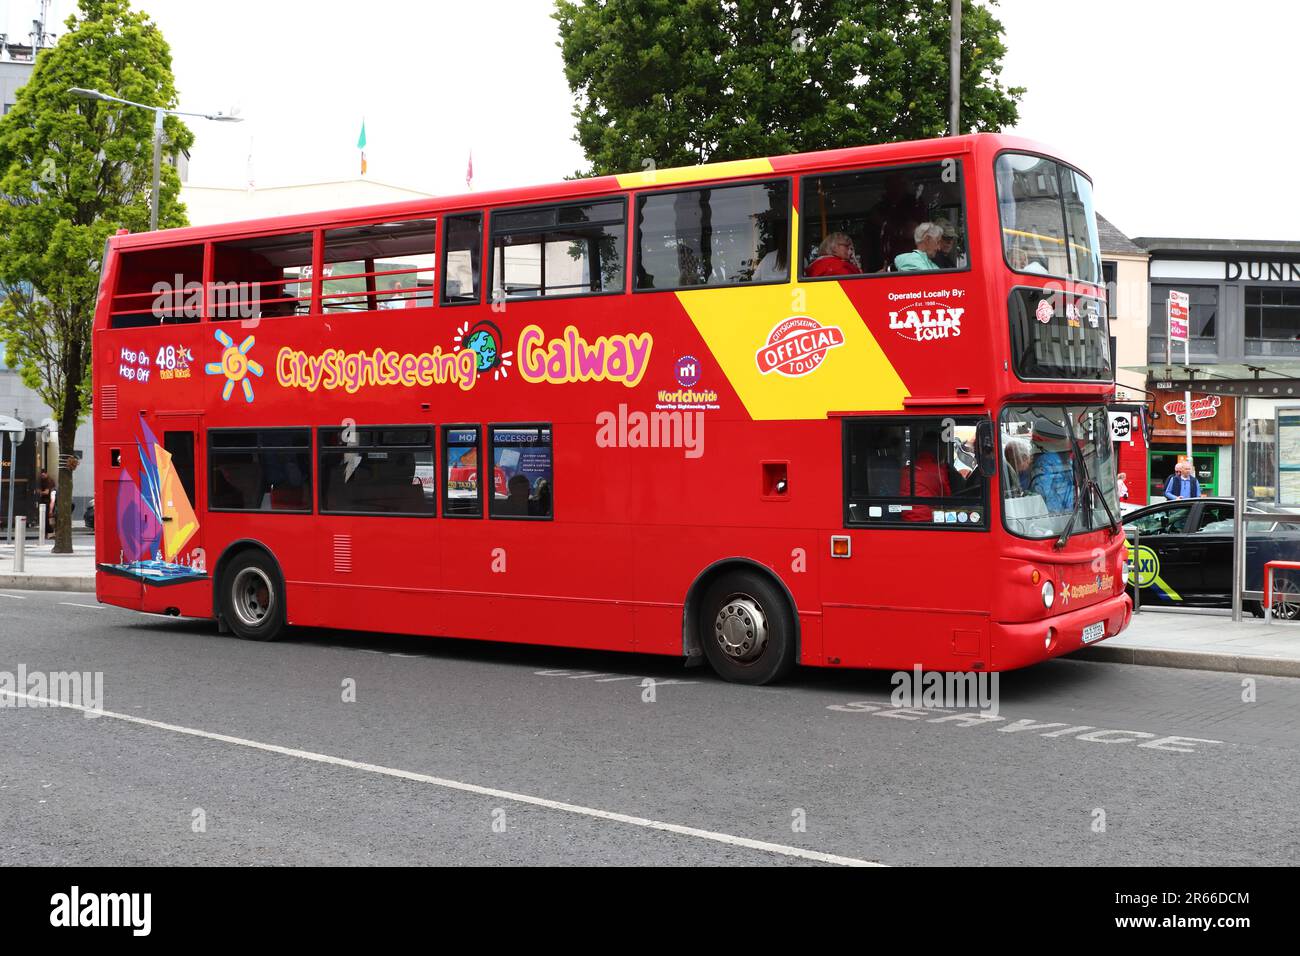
x=835 y=257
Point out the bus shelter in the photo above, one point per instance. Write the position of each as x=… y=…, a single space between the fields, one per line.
x=1265 y=480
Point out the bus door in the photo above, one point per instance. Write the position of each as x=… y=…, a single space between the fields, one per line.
x=178 y=458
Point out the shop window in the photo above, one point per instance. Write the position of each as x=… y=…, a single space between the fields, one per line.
x=558 y=250
x=866 y=222
x=718 y=236
x=387 y=265
x=1272 y=313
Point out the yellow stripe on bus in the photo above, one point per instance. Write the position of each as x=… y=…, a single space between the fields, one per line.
x=688 y=174
x=735 y=323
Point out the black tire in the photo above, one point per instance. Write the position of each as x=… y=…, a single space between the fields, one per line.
x=252 y=597
x=756 y=613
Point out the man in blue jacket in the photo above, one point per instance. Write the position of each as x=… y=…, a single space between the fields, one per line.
x=1052 y=473
x=1182 y=483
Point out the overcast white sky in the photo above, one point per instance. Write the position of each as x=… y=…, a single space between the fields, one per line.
x=1180 y=110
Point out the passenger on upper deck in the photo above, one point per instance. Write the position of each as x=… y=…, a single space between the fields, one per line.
x=927 y=237
x=835 y=257
x=945 y=257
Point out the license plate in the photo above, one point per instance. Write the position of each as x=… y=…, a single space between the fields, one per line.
x=1094 y=632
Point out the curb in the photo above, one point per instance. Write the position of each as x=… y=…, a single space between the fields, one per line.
x=48 y=582
x=1191 y=660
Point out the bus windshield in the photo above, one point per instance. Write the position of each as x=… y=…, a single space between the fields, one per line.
x=1044 y=471
x=1048 y=223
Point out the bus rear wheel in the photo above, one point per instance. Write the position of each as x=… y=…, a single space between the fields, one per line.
x=252 y=597
x=746 y=629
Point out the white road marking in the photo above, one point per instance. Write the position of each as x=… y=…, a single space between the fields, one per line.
x=93 y=607
x=16 y=597
x=726 y=838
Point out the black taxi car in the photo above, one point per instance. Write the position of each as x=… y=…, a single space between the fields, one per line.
x=1184 y=555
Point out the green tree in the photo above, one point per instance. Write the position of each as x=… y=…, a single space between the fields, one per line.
x=72 y=173
x=681 y=82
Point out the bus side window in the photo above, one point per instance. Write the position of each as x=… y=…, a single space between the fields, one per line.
x=462 y=472
x=462 y=253
x=522 y=472
x=262 y=277
x=385 y=265
x=574 y=249
x=158 y=287
x=917 y=472
x=715 y=236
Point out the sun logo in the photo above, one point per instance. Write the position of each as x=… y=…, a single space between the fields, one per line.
x=235 y=365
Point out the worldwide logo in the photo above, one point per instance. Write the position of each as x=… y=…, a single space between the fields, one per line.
x=687 y=371
x=797 y=346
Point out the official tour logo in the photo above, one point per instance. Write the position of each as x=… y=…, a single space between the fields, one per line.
x=1044 y=312
x=797 y=346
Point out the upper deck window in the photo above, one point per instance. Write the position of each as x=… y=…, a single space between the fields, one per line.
x=898 y=219
x=718 y=235
x=158 y=286
x=261 y=277
x=462 y=251
x=1048 y=223
x=575 y=249
x=387 y=265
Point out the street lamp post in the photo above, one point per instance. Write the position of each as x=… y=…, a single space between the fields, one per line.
x=158 y=113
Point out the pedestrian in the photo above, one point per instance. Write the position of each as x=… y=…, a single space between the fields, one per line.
x=1122 y=487
x=45 y=492
x=1182 y=483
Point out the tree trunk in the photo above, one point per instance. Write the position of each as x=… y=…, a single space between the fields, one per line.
x=68 y=418
x=63 y=501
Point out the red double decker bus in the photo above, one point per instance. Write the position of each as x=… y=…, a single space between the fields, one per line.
x=841 y=409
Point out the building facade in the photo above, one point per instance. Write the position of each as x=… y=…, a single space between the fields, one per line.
x=1124 y=267
x=1244 y=320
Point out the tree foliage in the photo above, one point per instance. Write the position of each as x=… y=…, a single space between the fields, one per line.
x=72 y=173
x=681 y=82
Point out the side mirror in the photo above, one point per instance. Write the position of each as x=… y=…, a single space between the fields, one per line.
x=987 y=448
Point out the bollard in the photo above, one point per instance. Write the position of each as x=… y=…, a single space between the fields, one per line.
x=20 y=544
x=43 y=507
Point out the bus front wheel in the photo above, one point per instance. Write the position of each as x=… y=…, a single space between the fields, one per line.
x=746 y=629
x=252 y=597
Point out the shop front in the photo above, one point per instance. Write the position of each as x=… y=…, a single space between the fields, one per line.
x=1212 y=419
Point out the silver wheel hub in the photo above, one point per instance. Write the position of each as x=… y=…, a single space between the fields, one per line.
x=1286 y=601
x=253 y=595
x=741 y=628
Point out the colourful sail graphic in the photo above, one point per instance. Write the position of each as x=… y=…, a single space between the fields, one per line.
x=155 y=520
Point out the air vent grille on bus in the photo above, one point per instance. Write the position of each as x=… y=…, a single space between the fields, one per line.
x=108 y=402
x=343 y=553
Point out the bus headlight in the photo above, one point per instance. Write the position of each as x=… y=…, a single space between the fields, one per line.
x=1049 y=594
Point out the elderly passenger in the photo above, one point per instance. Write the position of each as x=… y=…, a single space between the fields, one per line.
x=926 y=236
